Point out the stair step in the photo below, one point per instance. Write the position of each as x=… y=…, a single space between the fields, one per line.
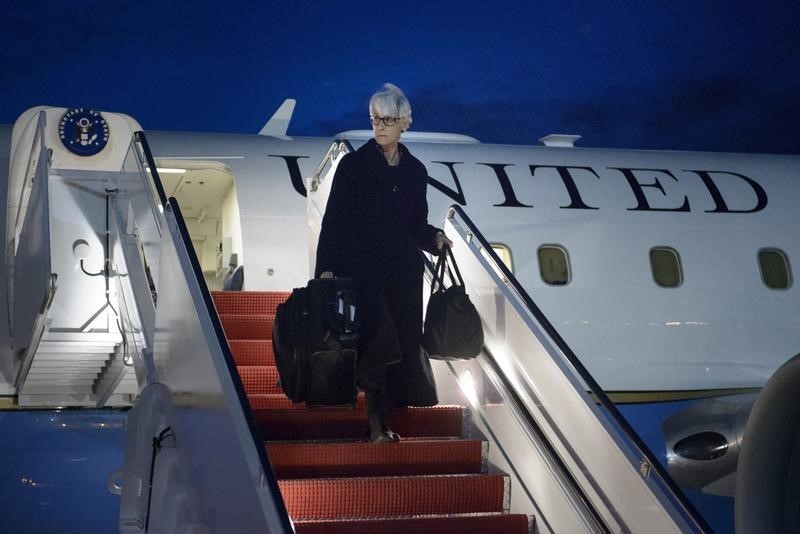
x=469 y=524
x=351 y=498
x=72 y=348
x=279 y=400
x=78 y=353
x=63 y=373
x=248 y=303
x=67 y=389
x=409 y=457
x=252 y=352
x=247 y=326
x=44 y=380
x=90 y=338
x=301 y=423
x=68 y=363
x=260 y=380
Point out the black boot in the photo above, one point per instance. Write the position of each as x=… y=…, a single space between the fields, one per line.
x=378 y=415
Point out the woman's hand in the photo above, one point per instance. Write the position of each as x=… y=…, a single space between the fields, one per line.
x=442 y=240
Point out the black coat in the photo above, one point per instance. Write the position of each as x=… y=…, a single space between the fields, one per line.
x=375 y=223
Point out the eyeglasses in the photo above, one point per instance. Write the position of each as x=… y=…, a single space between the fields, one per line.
x=387 y=121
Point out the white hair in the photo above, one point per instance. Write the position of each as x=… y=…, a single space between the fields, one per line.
x=390 y=102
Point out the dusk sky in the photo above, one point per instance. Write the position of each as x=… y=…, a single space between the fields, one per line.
x=713 y=75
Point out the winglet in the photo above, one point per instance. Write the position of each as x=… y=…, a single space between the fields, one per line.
x=277 y=125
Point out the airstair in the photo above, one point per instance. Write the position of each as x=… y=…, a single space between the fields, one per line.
x=523 y=439
x=69 y=345
x=333 y=480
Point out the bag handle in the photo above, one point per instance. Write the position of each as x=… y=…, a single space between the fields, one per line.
x=455 y=267
x=441 y=266
x=440 y=261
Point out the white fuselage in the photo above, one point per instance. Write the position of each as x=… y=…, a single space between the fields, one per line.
x=722 y=327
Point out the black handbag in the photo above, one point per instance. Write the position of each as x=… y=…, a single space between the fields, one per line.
x=453 y=329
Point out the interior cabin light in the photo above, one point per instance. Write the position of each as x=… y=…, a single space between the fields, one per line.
x=167 y=170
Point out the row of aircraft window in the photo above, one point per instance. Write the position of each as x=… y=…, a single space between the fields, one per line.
x=665 y=266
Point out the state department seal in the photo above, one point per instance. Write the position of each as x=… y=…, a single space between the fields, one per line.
x=83 y=131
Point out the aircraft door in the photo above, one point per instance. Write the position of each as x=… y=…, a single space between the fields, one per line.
x=207 y=193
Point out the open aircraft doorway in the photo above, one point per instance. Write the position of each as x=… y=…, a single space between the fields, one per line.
x=206 y=192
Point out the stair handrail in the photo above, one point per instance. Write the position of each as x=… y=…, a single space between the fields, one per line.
x=37 y=333
x=136 y=308
x=37 y=169
x=169 y=245
x=337 y=148
x=589 y=513
x=219 y=344
x=38 y=150
x=156 y=182
x=655 y=471
x=135 y=208
x=140 y=188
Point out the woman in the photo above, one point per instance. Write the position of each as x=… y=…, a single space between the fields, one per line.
x=374 y=226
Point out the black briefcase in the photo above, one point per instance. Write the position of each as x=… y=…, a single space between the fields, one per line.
x=315 y=339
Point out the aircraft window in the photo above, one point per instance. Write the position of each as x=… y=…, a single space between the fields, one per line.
x=554 y=265
x=774 y=268
x=666 y=266
x=505 y=254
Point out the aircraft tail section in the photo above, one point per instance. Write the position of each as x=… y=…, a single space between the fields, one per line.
x=278 y=124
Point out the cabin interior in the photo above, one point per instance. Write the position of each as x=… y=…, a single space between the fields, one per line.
x=206 y=191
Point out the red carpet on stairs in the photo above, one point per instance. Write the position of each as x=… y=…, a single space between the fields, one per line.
x=333 y=480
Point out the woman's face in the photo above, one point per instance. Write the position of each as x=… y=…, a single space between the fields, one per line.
x=388 y=129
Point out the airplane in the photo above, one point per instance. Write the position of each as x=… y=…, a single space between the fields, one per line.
x=669 y=274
